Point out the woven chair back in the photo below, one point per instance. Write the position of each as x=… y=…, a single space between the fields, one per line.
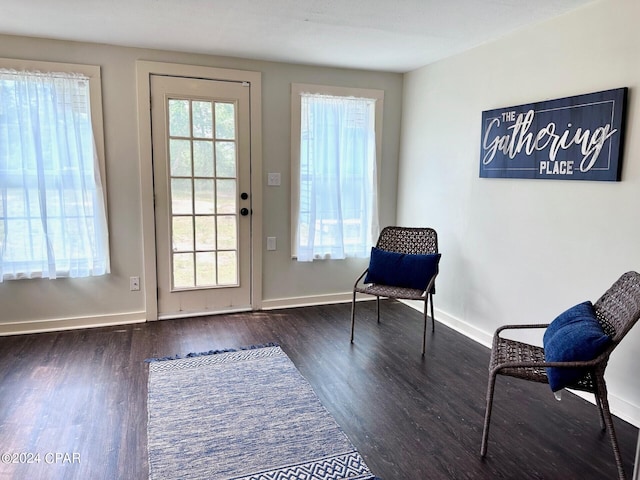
x=410 y=240
x=618 y=309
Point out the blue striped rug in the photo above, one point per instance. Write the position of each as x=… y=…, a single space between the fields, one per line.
x=243 y=415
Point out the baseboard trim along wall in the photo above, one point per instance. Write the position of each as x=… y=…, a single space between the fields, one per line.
x=309 y=301
x=457 y=324
x=619 y=406
x=58 y=324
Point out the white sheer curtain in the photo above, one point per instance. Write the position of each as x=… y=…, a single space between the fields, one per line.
x=338 y=214
x=52 y=215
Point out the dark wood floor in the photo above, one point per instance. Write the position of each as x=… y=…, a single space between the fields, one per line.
x=78 y=398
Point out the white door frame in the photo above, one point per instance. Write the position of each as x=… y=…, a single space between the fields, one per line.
x=143 y=71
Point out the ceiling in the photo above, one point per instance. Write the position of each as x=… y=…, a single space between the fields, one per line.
x=386 y=35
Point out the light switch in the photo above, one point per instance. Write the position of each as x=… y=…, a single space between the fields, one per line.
x=271 y=243
x=273 y=179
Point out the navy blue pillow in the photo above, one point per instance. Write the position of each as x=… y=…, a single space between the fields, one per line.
x=401 y=269
x=575 y=335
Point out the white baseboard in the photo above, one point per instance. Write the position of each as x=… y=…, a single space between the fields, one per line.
x=457 y=324
x=58 y=324
x=292 y=302
x=619 y=407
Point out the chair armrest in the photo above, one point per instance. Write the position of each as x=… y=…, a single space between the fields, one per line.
x=576 y=364
x=432 y=282
x=517 y=327
x=360 y=278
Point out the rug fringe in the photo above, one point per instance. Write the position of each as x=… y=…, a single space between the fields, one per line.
x=211 y=352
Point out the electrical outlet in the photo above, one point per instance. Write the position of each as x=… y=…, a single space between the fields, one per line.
x=134 y=284
x=271 y=243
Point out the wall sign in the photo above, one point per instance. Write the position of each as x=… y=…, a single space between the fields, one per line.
x=573 y=138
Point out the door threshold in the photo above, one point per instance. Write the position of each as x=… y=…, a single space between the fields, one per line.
x=171 y=316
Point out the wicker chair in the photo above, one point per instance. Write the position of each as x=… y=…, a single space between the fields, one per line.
x=401 y=240
x=617 y=311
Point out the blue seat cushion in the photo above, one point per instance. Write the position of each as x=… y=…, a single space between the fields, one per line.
x=575 y=335
x=401 y=269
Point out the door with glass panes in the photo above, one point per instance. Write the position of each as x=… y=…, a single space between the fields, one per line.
x=201 y=163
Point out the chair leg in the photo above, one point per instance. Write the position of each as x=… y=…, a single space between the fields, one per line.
x=636 y=465
x=378 y=307
x=353 y=315
x=433 y=319
x=601 y=391
x=424 y=331
x=487 y=415
x=603 y=427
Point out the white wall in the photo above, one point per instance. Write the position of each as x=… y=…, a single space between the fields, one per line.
x=46 y=304
x=522 y=251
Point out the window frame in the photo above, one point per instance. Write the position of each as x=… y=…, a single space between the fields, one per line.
x=296 y=90
x=95 y=96
x=93 y=72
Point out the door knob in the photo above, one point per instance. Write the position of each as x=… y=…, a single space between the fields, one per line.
x=244 y=212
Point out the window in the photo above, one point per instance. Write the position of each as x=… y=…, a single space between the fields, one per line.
x=203 y=175
x=335 y=150
x=52 y=204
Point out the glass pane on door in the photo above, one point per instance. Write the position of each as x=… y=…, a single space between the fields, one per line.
x=203 y=194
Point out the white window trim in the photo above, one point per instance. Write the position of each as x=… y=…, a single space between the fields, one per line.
x=95 y=97
x=296 y=90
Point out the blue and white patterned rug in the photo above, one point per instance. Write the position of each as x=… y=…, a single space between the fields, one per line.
x=243 y=415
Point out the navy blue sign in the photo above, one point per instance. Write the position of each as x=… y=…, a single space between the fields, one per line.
x=573 y=138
